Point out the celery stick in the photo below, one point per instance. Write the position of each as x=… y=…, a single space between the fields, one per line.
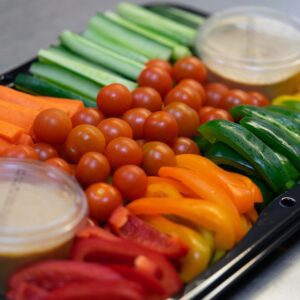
x=100 y=55
x=97 y=38
x=66 y=79
x=178 y=51
x=145 y=18
x=42 y=87
x=65 y=59
x=127 y=38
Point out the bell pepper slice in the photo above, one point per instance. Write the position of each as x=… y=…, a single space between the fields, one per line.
x=209 y=190
x=252 y=215
x=26 y=291
x=200 y=249
x=181 y=188
x=241 y=189
x=205 y=214
x=120 y=251
x=162 y=189
x=128 y=226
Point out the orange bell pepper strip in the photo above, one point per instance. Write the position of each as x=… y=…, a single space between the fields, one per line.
x=239 y=189
x=162 y=189
x=200 y=249
x=206 y=189
x=181 y=188
x=252 y=216
x=205 y=214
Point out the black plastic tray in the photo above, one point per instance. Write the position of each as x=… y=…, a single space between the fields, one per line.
x=278 y=222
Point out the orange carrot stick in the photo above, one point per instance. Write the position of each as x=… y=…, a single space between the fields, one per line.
x=10 y=131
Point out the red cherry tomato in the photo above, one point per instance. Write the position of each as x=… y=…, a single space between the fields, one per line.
x=20 y=152
x=185 y=95
x=146 y=97
x=203 y=110
x=82 y=139
x=102 y=199
x=161 y=126
x=160 y=63
x=52 y=126
x=187 y=118
x=60 y=164
x=114 y=100
x=123 y=151
x=88 y=115
x=45 y=151
x=216 y=114
x=136 y=118
x=190 y=67
x=156 y=78
x=155 y=156
x=184 y=145
x=258 y=99
x=194 y=85
x=92 y=167
x=113 y=128
x=233 y=98
x=215 y=93
x=131 y=181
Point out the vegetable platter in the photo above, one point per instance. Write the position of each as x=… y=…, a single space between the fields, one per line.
x=189 y=183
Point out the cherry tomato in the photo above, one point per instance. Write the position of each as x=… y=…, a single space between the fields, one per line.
x=194 y=85
x=88 y=115
x=45 y=151
x=258 y=99
x=203 y=110
x=60 y=164
x=102 y=199
x=136 y=118
x=115 y=127
x=92 y=167
x=82 y=139
x=215 y=93
x=156 y=78
x=184 y=145
x=233 y=98
x=155 y=156
x=185 y=95
x=114 y=99
x=146 y=97
x=187 y=118
x=20 y=152
x=52 y=126
x=123 y=151
x=160 y=63
x=190 y=67
x=216 y=114
x=131 y=181
x=161 y=126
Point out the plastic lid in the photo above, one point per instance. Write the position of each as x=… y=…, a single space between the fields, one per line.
x=250 y=43
x=40 y=206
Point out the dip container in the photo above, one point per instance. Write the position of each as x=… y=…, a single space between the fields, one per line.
x=40 y=210
x=252 y=48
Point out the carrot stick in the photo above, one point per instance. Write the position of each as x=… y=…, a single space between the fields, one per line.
x=39 y=103
x=18 y=115
x=4 y=144
x=10 y=131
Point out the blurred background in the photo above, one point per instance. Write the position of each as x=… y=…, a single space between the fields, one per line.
x=28 y=25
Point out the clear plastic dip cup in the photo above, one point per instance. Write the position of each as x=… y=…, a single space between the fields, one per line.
x=252 y=48
x=40 y=210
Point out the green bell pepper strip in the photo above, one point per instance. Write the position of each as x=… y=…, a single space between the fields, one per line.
x=202 y=143
x=275 y=138
x=287 y=124
x=267 y=163
x=291 y=104
x=289 y=112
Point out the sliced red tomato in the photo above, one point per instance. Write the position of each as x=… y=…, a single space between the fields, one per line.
x=129 y=226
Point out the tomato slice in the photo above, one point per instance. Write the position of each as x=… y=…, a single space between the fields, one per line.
x=129 y=226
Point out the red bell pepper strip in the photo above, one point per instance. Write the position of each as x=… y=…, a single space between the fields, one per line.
x=26 y=291
x=128 y=226
x=120 y=251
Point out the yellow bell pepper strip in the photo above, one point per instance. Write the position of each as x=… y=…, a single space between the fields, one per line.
x=181 y=188
x=281 y=99
x=205 y=214
x=241 y=190
x=247 y=224
x=218 y=254
x=162 y=189
x=206 y=189
x=200 y=251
